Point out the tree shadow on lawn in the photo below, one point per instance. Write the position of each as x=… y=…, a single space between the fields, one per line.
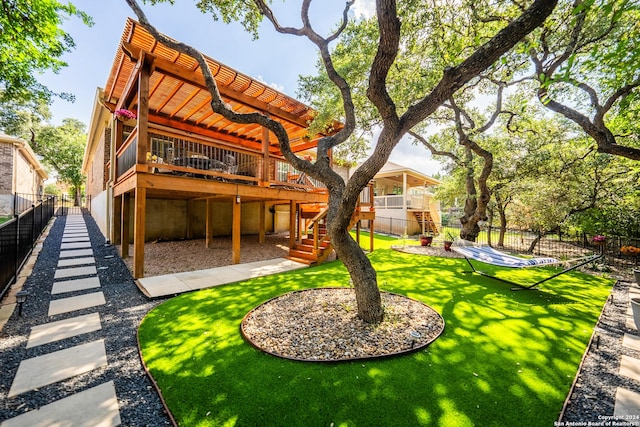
x=504 y=355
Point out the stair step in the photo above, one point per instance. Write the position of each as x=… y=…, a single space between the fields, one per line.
x=306 y=247
x=302 y=254
x=301 y=260
x=309 y=242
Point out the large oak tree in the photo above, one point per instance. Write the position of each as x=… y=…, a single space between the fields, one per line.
x=395 y=122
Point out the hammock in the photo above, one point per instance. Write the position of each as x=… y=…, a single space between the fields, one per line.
x=488 y=255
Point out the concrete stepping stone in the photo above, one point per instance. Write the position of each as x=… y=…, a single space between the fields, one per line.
x=75 y=272
x=630 y=367
x=58 y=366
x=631 y=341
x=630 y=324
x=66 y=305
x=69 y=262
x=62 y=329
x=76 y=253
x=94 y=407
x=75 y=285
x=78 y=245
x=75 y=232
x=75 y=239
x=627 y=405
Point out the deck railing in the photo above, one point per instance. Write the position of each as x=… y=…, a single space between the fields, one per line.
x=284 y=174
x=178 y=155
x=413 y=201
x=126 y=154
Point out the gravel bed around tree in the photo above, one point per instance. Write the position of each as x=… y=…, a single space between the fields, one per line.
x=323 y=325
x=139 y=403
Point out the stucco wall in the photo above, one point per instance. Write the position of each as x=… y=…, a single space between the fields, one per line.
x=99 y=210
x=27 y=180
x=182 y=219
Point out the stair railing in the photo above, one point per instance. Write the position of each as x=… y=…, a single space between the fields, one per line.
x=315 y=223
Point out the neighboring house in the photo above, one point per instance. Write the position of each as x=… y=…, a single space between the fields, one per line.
x=21 y=175
x=179 y=170
x=405 y=195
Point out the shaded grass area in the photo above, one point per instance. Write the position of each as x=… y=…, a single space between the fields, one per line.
x=505 y=357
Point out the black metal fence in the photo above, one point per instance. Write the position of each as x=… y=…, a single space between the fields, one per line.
x=563 y=246
x=17 y=237
x=66 y=205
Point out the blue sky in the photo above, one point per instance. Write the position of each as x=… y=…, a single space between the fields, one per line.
x=275 y=59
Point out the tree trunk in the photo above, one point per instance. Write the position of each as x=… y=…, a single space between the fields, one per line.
x=503 y=229
x=501 y=207
x=475 y=207
x=490 y=226
x=362 y=273
x=469 y=220
x=78 y=196
x=533 y=245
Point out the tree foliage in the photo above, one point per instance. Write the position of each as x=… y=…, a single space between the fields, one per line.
x=586 y=62
x=384 y=89
x=31 y=42
x=63 y=149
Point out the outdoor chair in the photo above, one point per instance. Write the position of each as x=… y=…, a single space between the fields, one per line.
x=488 y=255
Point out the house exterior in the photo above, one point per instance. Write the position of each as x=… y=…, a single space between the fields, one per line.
x=179 y=170
x=21 y=175
x=404 y=201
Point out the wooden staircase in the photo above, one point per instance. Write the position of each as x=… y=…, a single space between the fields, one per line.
x=315 y=247
x=426 y=222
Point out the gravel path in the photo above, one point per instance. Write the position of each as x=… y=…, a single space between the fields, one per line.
x=139 y=403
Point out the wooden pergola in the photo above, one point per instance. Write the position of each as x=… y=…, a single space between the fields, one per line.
x=166 y=90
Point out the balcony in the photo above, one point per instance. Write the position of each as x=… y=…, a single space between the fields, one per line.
x=178 y=155
x=422 y=202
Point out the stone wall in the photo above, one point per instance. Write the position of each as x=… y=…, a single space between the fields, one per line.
x=7 y=152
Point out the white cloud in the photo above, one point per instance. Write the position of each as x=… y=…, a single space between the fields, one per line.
x=276 y=86
x=364 y=8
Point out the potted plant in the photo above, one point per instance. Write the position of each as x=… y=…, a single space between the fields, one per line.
x=599 y=240
x=448 y=242
x=124 y=115
x=426 y=239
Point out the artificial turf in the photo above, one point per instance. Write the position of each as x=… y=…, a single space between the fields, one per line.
x=504 y=358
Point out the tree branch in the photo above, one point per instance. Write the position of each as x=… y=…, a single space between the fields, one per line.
x=434 y=150
x=389 y=41
x=456 y=77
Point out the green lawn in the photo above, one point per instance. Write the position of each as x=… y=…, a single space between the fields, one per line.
x=504 y=358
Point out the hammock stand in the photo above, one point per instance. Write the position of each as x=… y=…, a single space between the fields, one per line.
x=489 y=255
